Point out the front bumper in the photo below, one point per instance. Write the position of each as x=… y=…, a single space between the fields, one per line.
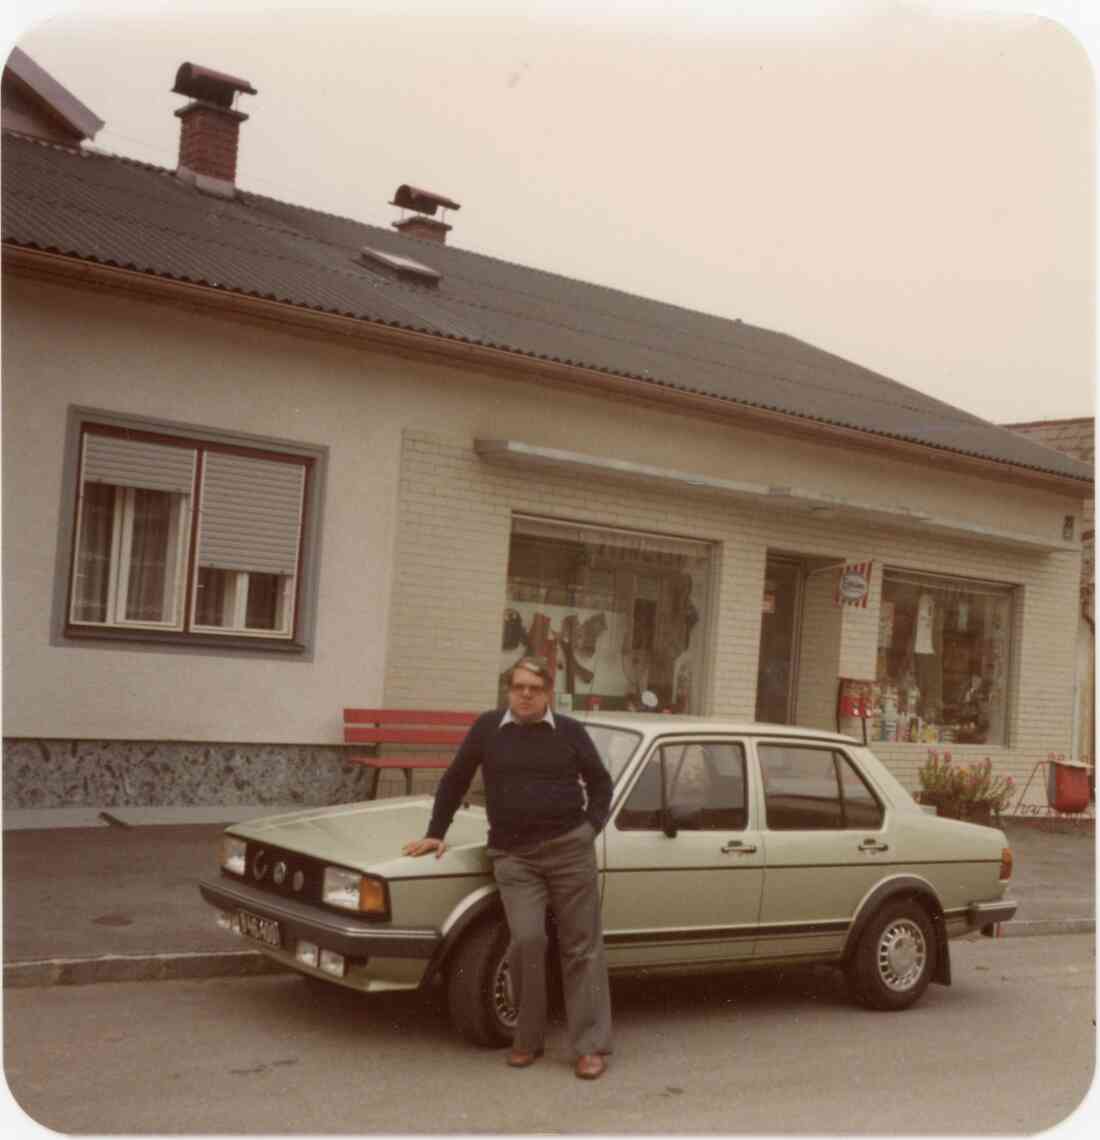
x=298 y=921
x=987 y=915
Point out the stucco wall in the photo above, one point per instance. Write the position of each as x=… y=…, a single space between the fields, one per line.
x=415 y=526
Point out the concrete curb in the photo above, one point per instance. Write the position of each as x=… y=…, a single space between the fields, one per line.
x=1017 y=929
x=139 y=968
x=250 y=963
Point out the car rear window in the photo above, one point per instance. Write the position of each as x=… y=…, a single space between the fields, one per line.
x=814 y=789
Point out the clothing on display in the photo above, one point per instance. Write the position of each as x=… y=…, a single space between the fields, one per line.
x=944 y=648
x=926 y=614
x=618 y=607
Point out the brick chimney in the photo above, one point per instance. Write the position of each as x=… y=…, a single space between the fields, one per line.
x=425 y=203
x=209 y=127
x=419 y=226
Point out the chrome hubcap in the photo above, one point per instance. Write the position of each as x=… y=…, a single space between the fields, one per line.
x=902 y=953
x=504 y=1002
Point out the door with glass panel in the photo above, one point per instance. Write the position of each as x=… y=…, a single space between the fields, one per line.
x=781 y=612
x=684 y=867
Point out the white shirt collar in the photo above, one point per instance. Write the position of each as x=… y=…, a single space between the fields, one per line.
x=547 y=718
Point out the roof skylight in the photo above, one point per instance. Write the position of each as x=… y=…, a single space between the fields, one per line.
x=402 y=266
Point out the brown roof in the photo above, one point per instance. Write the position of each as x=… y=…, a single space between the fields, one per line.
x=116 y=211
x=1076 y=437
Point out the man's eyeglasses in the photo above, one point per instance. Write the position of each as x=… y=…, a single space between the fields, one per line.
x=528 y=690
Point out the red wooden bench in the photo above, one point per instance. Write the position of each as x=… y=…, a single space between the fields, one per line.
x=435 y=734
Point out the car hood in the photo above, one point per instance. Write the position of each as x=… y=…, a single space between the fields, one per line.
x=370 y=835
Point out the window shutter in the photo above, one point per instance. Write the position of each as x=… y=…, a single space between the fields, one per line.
x=136 y=463
x=250 y=514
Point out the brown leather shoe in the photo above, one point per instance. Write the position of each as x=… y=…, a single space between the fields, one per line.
x=520 y=1058
x=590 y=1067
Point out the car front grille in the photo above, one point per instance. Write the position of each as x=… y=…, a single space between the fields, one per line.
x=282 y=872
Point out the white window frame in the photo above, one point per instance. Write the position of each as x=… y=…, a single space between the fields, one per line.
x=237 y=603
x=118 y=577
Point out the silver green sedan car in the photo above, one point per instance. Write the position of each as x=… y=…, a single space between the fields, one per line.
x=729 y=846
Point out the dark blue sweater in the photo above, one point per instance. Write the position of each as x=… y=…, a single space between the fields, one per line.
x=530 y=771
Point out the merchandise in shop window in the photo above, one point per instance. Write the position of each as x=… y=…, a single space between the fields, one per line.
x=942 y=668
x=612 y=613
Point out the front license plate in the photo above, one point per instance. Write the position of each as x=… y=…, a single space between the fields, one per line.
x=265 y=930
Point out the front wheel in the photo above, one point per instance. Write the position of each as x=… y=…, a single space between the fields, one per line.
x=479 y=987
x=895 y=958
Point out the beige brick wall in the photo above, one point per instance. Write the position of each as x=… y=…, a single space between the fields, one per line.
x=451 y=549
x=822 y=627
x=1077 y=437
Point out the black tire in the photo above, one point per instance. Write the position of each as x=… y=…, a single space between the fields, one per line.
x=895 y=958
x=479 y=993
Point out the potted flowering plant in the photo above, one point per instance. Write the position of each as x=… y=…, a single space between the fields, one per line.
x=964 y=792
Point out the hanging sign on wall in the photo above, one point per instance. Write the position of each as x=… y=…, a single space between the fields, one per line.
x=853 y=585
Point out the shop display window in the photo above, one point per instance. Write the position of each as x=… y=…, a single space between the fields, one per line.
x=944 y=646
x=617 y=614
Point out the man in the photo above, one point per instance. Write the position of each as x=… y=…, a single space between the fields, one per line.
x=541 y=831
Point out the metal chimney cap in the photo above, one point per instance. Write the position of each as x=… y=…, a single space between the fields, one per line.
x=209 y=85
x=422 y=201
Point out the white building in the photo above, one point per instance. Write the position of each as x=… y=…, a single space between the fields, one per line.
x=261 y=463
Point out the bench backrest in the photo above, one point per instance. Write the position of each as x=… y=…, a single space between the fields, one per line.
x=434 y=728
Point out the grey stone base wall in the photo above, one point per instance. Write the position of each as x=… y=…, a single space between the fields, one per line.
x=104 y=773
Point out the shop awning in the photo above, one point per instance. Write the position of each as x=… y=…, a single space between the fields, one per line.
x=795 y=499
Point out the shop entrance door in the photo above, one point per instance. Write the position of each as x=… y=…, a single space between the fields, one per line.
x=777 y=665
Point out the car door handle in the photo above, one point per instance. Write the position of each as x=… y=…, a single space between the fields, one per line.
x=873 y=845
x=737 y=847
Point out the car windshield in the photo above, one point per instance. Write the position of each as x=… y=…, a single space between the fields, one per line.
x=615 y=746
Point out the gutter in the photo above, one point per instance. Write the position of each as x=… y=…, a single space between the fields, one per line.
x=65 y=269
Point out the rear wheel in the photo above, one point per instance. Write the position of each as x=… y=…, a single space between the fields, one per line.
x=895 y=958
x=479 y=987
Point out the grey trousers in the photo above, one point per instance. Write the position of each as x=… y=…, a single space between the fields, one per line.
x=560 y=873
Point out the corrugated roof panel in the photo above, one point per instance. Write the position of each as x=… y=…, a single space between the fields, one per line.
x=117 y=211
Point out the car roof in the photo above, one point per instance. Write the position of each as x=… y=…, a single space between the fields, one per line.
x=654 y=723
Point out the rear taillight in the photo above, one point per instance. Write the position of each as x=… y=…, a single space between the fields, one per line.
x=1006 y=863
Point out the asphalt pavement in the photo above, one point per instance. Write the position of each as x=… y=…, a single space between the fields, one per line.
x=94 y=897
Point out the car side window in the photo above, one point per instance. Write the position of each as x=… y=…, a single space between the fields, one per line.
x=861 y=809
x=704 y=783
x=814 y=789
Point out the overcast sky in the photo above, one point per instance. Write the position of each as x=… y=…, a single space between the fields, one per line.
x=911 y=186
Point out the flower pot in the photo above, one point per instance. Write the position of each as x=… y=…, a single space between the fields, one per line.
x=979 y=812
x=1067 y=786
